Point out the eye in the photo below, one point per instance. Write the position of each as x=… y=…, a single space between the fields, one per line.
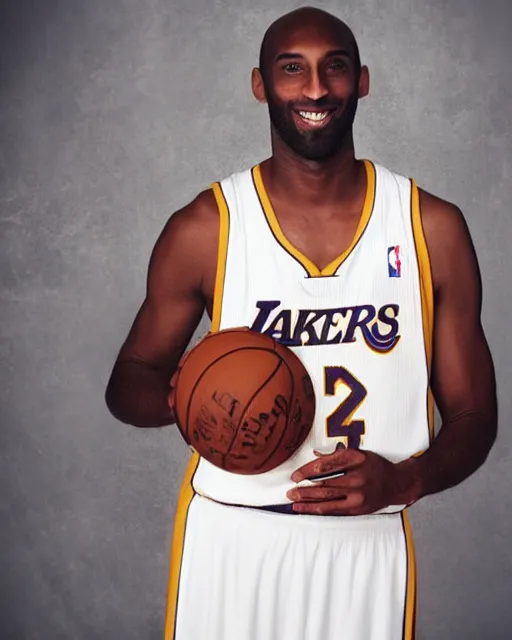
x=292 y=67
x=337 y=66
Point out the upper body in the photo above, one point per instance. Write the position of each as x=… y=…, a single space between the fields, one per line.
x=311 y=78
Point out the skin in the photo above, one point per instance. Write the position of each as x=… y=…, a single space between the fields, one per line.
x=318 y=203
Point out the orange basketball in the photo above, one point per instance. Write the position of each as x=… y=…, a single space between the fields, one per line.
x=243 y=401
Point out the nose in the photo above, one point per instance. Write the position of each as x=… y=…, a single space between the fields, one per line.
x=315 y=87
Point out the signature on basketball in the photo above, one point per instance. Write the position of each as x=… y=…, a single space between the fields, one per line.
x=257 y=430
x=218 y=431
x=298 y=427
x=226 y=431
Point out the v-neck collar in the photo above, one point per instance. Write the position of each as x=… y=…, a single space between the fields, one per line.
x=311 y=268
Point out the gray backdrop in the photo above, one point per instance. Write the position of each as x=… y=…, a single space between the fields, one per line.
x=113 y=114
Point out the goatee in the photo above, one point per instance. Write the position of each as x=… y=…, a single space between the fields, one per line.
x=320 y=144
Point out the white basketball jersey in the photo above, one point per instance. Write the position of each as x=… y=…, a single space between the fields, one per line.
x=362 y=326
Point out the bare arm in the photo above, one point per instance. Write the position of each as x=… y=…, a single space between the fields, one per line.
x=181 y=268
x=462 y=372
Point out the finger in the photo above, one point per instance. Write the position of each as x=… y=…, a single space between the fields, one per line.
x=352 y=505
x=340 y=460
x=345 y=480
x=327 y=476
x=324 y=508
x=351 y=479
x=171 y=399
x=355 y=501
x=338 y=447
x=329 y=489
x=307 y=494
x=172 y=381
x=189 y=350
x=174 y=378
x=184 y=357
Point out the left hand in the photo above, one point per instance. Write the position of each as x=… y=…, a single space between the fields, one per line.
x=370 y=483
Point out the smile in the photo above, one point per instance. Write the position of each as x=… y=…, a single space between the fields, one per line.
x=312 y=119
x=312 y=115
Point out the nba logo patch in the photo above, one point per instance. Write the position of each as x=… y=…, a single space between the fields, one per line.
x=394 y=263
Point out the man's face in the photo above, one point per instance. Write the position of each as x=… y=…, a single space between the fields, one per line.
x=312 y=92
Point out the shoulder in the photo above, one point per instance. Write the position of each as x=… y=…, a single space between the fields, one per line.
x=197 y=217
x=199 y=221
x=201 y=217
x=442 y=221
x=194 y=225
x=446 y=234
x=444 y=225
x=187 y=245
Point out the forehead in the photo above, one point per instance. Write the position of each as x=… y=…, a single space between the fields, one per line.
x=305 y=38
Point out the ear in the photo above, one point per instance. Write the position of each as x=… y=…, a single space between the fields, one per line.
x=258 y=87
x=364 y=82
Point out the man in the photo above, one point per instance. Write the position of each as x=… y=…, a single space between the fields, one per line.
x=375 y=285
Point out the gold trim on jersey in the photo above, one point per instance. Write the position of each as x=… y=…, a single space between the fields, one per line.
x=222 y=254
x=311 y=269
x=178 y=542
x=410 y=590
x=426 y=292
x=187 y=490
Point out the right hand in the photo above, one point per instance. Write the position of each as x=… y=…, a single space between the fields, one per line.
x=171 y=398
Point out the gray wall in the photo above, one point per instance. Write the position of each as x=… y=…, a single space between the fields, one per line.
x=113 y=114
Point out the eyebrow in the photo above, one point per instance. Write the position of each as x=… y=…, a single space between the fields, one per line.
x=297 y=56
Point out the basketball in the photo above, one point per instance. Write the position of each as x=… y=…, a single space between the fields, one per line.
x=243 y=401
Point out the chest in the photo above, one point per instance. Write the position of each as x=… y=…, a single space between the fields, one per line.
x=320 y=236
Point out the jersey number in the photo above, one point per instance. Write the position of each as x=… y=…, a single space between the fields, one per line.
x=339 y=422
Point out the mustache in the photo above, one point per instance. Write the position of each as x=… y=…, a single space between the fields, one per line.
x=323 y=104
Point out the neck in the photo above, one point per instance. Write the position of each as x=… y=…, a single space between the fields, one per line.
x=316 y=182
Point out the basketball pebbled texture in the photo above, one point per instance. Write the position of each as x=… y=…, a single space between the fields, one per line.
x=243 y=401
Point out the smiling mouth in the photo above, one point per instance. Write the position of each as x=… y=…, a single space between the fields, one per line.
x=312 y=119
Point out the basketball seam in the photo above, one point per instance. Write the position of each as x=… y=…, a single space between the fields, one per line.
x=292 y=397
x=249 y=402
x=196 y=383
x=212 y=334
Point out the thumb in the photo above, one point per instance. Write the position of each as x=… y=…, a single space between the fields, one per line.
x=321 y=454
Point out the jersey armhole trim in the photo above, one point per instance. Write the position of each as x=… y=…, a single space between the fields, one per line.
x=222 y=255
x=426 y=292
